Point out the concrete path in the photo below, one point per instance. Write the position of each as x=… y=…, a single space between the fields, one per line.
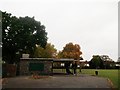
x=58 y=81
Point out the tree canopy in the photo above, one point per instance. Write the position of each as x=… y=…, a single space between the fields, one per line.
x=118 y=59
x=70 y=51
x=96 y=62
x=101 y=62
x=48 y=52
x=21 y=35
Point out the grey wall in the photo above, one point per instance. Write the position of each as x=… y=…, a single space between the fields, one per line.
x=24 y=67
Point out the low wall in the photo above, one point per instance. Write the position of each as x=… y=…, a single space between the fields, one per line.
x=9 y=70
x=29 y=66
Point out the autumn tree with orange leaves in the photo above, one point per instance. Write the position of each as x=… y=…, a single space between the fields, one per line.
x=71 y=51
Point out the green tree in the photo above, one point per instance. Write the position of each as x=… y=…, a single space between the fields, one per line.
x=21 y=35
x=96 y=62
x=118 y=59
x=48 y=52
x=59 y=54
x=108 y=62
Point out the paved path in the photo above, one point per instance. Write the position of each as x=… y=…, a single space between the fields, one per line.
x=58 y=81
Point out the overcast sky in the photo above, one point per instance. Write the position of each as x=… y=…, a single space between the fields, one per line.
x=93 y=24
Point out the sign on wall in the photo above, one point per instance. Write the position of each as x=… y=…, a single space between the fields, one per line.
x=36 y=66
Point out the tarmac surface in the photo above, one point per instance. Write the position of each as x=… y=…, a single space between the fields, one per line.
x=58 y=81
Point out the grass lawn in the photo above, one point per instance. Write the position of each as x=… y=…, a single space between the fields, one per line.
x=111 y=74
x=107 y=73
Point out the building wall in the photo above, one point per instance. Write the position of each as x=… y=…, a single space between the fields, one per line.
x=24 y=67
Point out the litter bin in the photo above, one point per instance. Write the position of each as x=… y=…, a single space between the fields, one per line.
x=96 y=72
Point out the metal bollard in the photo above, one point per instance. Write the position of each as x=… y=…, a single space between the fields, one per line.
x=96 y=72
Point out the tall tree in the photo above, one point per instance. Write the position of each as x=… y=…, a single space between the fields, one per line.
x=108 y=62
x=71 y=51
x=21 y=35
x=48 y=52
x=96 y=62
x=118 y=59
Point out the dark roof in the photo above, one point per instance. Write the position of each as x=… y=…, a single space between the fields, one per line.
x=62 y=60
x=41 y=59
x=49 y=59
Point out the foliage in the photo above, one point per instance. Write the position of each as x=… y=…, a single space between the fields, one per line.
x=96 y=62
x=70 y=51
x=108 y=62
x=48 y=52
x=59 y=54
x=20 y=35
x=102 y=63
